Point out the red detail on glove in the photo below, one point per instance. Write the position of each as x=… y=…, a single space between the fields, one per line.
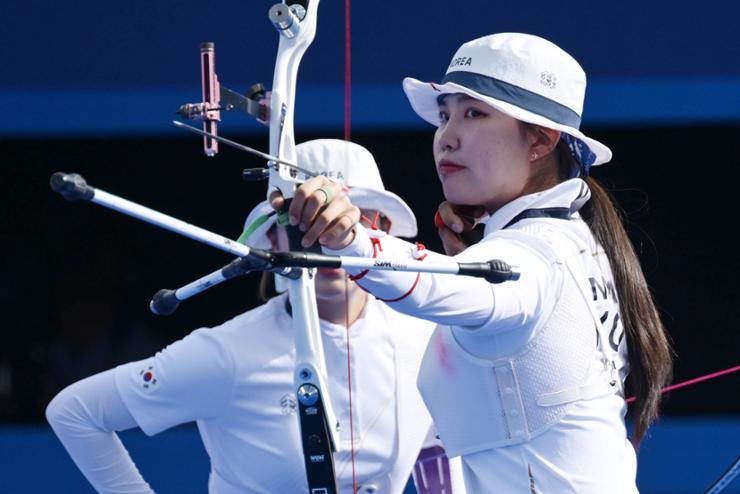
x=419 y=255
x=373 y=224
x=413 y=287
x=359 y=276
x=376 y=247
x=438 y=221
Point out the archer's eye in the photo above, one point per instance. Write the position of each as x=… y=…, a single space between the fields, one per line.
x=474 y=113
x=443 y=117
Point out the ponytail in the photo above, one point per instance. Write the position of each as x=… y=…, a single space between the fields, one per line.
x=650 y=353
x=648 y=346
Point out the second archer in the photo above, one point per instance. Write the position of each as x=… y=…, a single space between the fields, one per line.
x=236 y=380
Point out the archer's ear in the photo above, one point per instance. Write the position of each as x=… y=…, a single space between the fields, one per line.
x=544 y=141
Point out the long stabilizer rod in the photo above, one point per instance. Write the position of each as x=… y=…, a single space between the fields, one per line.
x=73 y=187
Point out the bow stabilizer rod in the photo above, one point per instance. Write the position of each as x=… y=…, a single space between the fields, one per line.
x=74 y=187
x=165 y=301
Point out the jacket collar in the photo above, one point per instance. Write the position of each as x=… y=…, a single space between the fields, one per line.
x=570 y=195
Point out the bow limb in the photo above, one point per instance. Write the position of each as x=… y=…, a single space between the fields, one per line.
x=319 y=426
x=293 y=44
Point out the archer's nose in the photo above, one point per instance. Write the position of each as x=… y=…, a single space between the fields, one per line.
x=447 y=137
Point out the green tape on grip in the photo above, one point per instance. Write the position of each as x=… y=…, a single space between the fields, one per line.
x=252 y=227
x=282 y=218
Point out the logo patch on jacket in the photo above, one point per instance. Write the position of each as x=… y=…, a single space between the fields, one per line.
x=147 y=377
x=288 y=404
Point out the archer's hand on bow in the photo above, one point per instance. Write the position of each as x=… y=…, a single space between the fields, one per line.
x=456 y=226
x=322 y=210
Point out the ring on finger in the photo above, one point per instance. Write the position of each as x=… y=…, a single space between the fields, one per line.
x=328 y=193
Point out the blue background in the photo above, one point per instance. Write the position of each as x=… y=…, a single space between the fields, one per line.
x=85 y=67
x=680 y=456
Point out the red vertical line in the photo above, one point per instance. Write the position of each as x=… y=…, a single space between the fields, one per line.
x=347 y=72
x=347 y=136
x=349 y=385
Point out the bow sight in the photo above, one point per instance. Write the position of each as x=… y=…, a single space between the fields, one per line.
x=217 y=98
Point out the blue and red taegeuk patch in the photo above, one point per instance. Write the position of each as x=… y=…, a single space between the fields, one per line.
x=148 y=377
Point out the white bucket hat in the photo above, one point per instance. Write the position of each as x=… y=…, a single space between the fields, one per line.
x=349 y=164
x=523 y=76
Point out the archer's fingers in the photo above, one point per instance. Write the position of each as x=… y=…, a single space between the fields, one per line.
x=333 y=223
x=448 y=218
x=451 y=242
x=459 y=219
x=330 y=195
x=342 y=232
x=471 y=215
x=303 y=195
x=277 y=201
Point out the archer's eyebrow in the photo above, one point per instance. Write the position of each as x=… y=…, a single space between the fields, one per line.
x=460 y=97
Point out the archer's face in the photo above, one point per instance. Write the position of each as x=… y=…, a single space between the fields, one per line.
x=481 y=153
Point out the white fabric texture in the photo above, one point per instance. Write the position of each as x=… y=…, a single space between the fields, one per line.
x=514 y=396
x=587 y=449
x=236 y=381
x=85 y=416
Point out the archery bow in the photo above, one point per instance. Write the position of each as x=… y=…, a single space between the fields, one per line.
x=318 y=423
x=296 y=25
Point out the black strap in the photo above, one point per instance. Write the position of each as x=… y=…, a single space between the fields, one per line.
x=558 y=213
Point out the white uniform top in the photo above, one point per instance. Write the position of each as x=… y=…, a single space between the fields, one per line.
x=586 y=450
x=236 y=380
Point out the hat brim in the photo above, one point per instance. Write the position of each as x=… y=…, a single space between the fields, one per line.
x=423 y=98
x=403 y=221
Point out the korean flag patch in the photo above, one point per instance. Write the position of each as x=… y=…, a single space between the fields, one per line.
x=147 y=378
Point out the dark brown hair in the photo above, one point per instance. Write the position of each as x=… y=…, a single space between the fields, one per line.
x=266 y=289
x=648 y=345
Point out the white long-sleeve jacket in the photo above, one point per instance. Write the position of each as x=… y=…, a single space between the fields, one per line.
x=236 y=381
x=523 y=378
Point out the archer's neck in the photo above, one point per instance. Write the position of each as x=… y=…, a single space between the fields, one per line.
x=344 y=308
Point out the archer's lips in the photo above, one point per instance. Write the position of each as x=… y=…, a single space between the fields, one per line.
x=331 y=272
x=448 y=168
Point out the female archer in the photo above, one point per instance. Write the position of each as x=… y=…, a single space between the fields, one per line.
x=524 y=379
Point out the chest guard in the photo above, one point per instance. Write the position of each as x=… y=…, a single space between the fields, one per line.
x=479 y=403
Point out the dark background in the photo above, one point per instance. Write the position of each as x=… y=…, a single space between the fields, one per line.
x=91 y=88
x=78 y=277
